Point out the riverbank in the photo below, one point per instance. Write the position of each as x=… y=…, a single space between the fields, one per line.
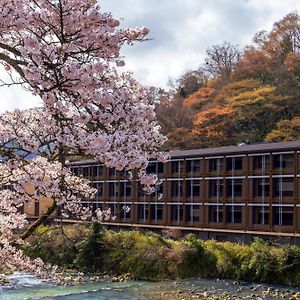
x=27 y=287
x=148 y=256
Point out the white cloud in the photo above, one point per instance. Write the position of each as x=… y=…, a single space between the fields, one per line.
x=182 y=30
x=15 y=96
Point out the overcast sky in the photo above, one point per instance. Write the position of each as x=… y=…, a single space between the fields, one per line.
x=180 y=32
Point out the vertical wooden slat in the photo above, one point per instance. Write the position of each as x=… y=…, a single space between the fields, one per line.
x=271 y=192
x=167 y=171
x=246 y=195
x=295 y=191
x=184 y=172
x=224 y=191
x=203 y=208
x=134 y=184
x=204 y=192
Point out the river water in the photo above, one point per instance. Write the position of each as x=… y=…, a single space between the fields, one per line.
x=27 y=287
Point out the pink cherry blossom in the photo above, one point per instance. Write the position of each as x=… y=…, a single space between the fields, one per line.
x=67 y=52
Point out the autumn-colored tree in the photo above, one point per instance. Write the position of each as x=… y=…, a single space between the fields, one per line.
x=283 y=39
x=255 y=64
x=172 y=114
x=286 y=130
x=256 y=113
x=251 y=95
x=221 y=60
x=190 y=82
x=201 y=99
x=244 y=112
x=181 y=138
x=212 y=127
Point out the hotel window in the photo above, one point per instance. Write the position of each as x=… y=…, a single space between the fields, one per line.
x=151 y=168
x=193 y=166
x=177 y=167
x=97 y=171
x=176 y=213
x=215 y=164
x=215 y=214
x=192 y=213
x=283 y=216
x=99 y=187
x=283 y=187
x=96 y=205
x=215 y=188
x=124 y=213
x=125 y=189
x=159 y=189
x=234 y=163
x=113 y=209
x=112 y=172
x=176 y=189
x=260 y=215
x=234 y=214
x=155 y=167
x=261 y=187
x=113 y=189
x=86 y=171
x=234 y=187
x=156 y=211
x=261 y=162
x=283 y=161
x=140 y=191
x=142 y=212
x=160 y=167
x=158 y=194
x=193 y=188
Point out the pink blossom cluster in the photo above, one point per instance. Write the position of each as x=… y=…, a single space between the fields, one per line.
x=67 y=52
x=24 y=181
x=11 y=220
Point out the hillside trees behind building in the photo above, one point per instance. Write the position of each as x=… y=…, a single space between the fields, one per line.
x=247 y=95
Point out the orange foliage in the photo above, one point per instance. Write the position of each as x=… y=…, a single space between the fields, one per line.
x=258 y=101
x=180 y=138
x=235 y=88
x=254 y=64
x=214 y=114
x=292 y=63
x=199 y=98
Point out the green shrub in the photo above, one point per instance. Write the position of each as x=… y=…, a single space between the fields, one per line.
x=289 y=265
x=150 y=256
x=144 y=255
x=90 y=249
x=194 y=258
x=263 y=265
x=56 y=246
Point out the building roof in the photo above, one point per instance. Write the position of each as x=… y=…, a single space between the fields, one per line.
x=243 y=149
x=228 y=150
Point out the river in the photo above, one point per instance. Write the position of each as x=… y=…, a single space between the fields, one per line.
x=27 y=287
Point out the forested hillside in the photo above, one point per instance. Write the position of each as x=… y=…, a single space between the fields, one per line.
x=237 y=96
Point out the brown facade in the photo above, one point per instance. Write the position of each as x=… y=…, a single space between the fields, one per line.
x=251 y=188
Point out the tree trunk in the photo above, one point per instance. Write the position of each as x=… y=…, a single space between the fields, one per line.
x=39 y=221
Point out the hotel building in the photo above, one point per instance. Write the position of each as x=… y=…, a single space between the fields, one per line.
x=225 y=193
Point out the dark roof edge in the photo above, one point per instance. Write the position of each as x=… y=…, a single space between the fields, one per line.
x=228 y=150
x=243 y=149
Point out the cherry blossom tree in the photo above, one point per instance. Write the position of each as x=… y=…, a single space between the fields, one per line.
x=67 y=52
